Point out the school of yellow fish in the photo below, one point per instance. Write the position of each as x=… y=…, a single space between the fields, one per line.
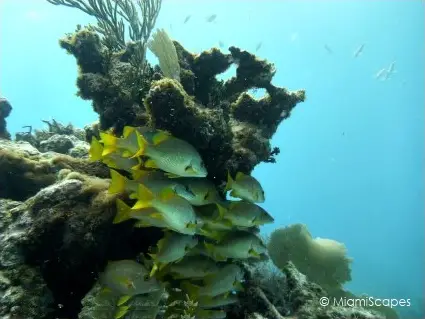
x=165 y=179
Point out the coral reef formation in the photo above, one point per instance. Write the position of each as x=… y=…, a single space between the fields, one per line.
x=59 y=138
x=5 y=109
x=229 y=128
x=65 y=233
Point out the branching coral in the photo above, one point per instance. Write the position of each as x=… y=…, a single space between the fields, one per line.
x=112 y=17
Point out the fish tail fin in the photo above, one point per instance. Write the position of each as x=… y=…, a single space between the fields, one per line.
x=96 y=150
x=191 y=289
x=117 y=183
x=229 y=182
x=123 y=212
x=121 y=312
x=221 y=211
x=154 y=270
x=123 y=300
x=144 y=193
x=143 y=146
x=109 y=142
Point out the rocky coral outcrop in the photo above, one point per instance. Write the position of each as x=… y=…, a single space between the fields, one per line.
x=5 y=109
x=57 y=233
x=229 y=127
x=59 y=138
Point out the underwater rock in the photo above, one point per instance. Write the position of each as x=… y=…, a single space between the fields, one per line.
x=56 y=143
x=24 y=293
x=231 y=129
x=60 y=237
x=305 y=296
x=65 y=144
x=5 y=109
x=59 y=138
x=24 y=170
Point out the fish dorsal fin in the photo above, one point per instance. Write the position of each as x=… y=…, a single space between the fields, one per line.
x=160 y=137
x=127 y=131
x=167 y=193
x=240 y=176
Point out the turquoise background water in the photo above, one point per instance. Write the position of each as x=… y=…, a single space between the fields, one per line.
x=352 y=156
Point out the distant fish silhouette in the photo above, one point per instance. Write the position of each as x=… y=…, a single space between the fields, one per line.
x=258 y=47
x=359 y=51
x=187 y=19
x=211 y=18
x=220 y=44
x=386 y=73
x=381 y=74
x=328 y=49
x=391 y=70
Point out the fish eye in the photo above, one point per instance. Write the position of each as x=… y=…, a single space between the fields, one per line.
x=146 y=277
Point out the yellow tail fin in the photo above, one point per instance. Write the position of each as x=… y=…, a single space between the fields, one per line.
x=118 y=183
x=143 y=145
x=144 y=193
x=109 y=142
x=96 y=150
x=123 y=212
x=121 y=312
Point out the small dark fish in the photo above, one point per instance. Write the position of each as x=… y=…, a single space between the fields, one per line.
x=258 y=47
x=187 y=18
x=211 y=18
x=328 y=49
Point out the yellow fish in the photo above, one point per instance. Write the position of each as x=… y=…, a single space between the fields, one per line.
x=246 y=214
x=127 y=146
x=128 y=278
x=172 y=155
x=170 y=208
x=113 y=160
x=237 y=245
x=204 y=192
x=224 y=281
x=245 y=187
x=171 y=248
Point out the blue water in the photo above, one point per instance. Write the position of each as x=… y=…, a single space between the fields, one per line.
x=352 y=156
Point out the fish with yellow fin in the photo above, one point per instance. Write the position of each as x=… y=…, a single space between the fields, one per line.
x=126 y=146
x=173 y=247
x=113 y=160
x=128 y=278
x=204 y=192
x=170 y=208
x=175 y=156
x=224 y=281
x=192 y=267
x=155 y=181
x=245 y=187
x=246 y=214
x=238 y=245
